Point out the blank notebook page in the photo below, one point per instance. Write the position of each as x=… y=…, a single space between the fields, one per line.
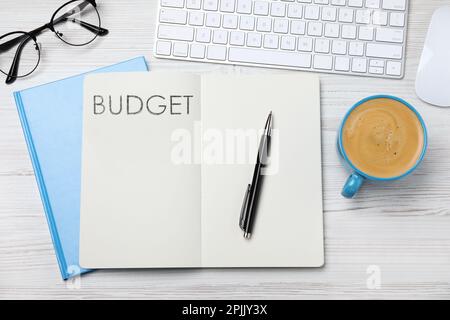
x=288 y=230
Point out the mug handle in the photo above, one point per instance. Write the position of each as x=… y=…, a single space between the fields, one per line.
x=352 y=185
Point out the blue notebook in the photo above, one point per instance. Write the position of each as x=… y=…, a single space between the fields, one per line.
x=51 y=117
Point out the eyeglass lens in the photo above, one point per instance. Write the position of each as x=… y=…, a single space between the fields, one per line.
x=26 y=50
x=77 y=23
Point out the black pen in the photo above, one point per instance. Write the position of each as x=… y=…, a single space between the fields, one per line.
x=248 y=210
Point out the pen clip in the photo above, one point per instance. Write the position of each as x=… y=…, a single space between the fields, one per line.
x=244 y=211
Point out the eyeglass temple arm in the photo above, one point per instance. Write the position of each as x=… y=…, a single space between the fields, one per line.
x=11 y=43
x=12 y=74
x=90 y=27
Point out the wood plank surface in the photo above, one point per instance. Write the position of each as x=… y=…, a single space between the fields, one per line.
x=399 y=229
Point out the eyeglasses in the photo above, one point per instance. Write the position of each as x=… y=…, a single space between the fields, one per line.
x=76 y=23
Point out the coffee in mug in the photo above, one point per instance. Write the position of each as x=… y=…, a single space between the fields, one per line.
x=381 y=138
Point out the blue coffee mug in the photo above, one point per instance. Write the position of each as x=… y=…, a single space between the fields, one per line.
x=357 y=177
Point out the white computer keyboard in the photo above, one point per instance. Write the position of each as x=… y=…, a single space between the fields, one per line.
x=358 y=37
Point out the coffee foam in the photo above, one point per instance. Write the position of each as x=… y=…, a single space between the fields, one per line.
x=383 y=138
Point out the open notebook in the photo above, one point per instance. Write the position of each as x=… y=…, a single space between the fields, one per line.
x=166 y=161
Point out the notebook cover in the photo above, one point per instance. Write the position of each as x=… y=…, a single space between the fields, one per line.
x=51 y=118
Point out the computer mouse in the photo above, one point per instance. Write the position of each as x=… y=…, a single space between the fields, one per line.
x=433 y=74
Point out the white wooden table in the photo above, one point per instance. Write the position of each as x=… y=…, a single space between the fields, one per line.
x=398 y=231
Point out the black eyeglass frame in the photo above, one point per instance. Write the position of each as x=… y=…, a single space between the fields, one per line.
x=27 y=37
x=32 y=35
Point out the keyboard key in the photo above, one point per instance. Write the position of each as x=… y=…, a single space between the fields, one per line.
x=278 y=9
x=264 y=24
x=172 y=32
x=237 y=38
x=261 y=8
x=217 y=52
x=380 y=18
x=312 y=12
x=377 y=63
x=173 y=16
x=322 y=46
x=230 y=21
x=194 y=4
x=359 y=65
x=376 y=70
x=211 y=5
x=163 y=48
x=346 y=15
x=244 y=6
x=270 y=57
x=281 y=26
x=389 y=35
x=271 y=41
x=180 y=49
x=305 y=44
x=365 y=33
x=355 y=3
x=394 y=5
x=373 y=4
x=349 y=31
x=197 y=51
x=363 y=16
x=387 y=51
x=332 y=30
x=356 y=48
x=247 y=23
x=315 y=29
x=213 y=20
x=196 y=18
x=338 y=2
x=394 y=68
x=288 y=43
x=339 y=47
x=203 y=35
x=323 y=62
x=220 y=37
x=298 y=27
x=342 y=64
x=295 y=11
x=172 y=3
x=397 y=19
x=329 y=13
x=254 y=39
x=227 y=5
